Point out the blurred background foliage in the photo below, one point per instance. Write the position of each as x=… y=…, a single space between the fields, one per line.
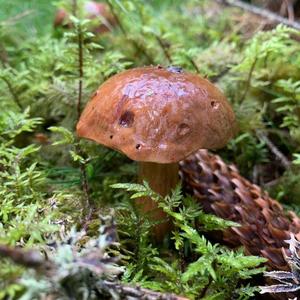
x=43 y=166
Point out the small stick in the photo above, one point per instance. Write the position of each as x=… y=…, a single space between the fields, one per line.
x=193 y=63
x=217 y=77
x=17 y=17
x=164 y=48
x=74 y=8
x=85 y=183
x=86 y=190
x=3 y=56
x=136 y=292
x=284 y=161
x=261 y=12
x=4 y=64
x=287 y=5
x=249 y=80
x=13 y=93
x=124 y=32
x=80 y=70
x=34 y=260
x=29 y=259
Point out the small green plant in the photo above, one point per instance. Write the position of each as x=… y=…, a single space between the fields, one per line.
x=289 y=105
x=22 y=194
x=198 y=268
x=44 y=187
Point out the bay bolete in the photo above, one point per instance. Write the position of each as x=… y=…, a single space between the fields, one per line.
x=157 y=116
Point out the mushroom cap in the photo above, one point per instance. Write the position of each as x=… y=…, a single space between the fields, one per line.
x=157 y=114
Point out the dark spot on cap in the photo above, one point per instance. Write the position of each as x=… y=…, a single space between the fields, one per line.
x=175 y=69
x=214 y=104
x=183 y=129
x=138 y=146
x=126 y=119
x=111 y=136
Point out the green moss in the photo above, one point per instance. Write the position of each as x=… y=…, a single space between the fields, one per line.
x=43 y=170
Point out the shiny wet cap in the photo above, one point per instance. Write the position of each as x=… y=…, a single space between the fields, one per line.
x=157 y=114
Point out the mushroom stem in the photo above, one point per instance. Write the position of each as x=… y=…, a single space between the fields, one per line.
x=162 y=178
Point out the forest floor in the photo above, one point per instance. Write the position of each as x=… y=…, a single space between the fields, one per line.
x=70 y=228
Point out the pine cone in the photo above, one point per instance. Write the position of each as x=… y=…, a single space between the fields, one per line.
x=222 y=191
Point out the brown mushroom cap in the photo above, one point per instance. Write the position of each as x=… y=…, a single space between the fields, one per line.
x=157 y=114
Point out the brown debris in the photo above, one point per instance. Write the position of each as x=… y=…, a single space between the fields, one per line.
x=130 y=292
x=29 y=259
x=265 y=13
x=224 y=192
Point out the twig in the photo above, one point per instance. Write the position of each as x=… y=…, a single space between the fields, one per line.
x=248 y=82
x=29 y=259
x=164 y=48
x=3 y=56
x=74 y=8
x=85 y=184
x=261 y=12
x=255 y=174
x=85 y=188
x=131 y=292
x=11 y=90
x=80 y=70
x=217 y=77
x=193 y=63
x=287 y=5
x=205 y=289
x=284 y=161
x=3 y=60
x=34 y=260
x=80 y=59
x=121 y=26
x=272 y=183
x=16 y=18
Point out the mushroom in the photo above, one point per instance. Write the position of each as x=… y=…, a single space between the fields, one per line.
x=157 y=117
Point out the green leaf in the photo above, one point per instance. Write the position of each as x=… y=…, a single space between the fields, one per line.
x=202 y=266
